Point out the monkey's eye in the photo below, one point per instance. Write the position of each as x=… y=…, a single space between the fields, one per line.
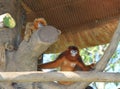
x=73 y=52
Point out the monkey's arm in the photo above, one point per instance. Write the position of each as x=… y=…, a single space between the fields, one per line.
x=50 y=65
x=53 y=64
x=83 y=66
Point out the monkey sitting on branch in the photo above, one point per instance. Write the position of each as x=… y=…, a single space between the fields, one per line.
x=69 y=60
x=31 y=27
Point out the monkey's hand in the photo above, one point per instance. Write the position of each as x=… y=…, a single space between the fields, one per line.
x=92 y=66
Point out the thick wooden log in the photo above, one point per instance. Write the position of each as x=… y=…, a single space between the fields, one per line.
x=29 y=51
x=59 y=76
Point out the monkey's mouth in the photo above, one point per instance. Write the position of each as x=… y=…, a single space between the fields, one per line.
x=73 y=55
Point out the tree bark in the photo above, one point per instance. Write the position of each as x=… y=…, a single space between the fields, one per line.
x=27 y=54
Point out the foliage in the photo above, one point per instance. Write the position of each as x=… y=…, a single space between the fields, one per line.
x=9 y=21
x=93 y=54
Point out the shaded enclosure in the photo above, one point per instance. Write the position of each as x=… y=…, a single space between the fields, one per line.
x=83 y=23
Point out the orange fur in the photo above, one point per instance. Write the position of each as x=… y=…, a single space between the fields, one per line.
x=67 y=62
x=39 y=20
x=31 y=27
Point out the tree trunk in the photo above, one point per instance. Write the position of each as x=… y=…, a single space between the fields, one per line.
x=27 y=54
x=24 y=55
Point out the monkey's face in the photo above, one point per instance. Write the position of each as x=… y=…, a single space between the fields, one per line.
x=40 y=25
x=39 y=22
x=73 y=53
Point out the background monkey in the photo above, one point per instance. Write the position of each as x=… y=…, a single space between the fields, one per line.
x=39 y=22
x=31 y=27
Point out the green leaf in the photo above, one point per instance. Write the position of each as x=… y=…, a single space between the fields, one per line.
x=8 y=21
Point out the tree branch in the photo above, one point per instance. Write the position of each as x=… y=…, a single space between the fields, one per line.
x=59 y=76
x=110 y=50
x=28 y=52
